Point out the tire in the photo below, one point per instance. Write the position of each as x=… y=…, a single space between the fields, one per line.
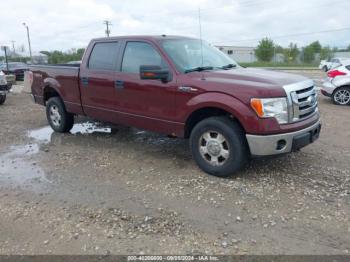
x=341 y=96
x=2 y=99
x=205 y=142
x=324 y=68
x=59 y=119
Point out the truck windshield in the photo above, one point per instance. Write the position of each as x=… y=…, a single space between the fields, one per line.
x=186 y=54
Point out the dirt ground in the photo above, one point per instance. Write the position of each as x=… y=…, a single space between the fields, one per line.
x=118 y=190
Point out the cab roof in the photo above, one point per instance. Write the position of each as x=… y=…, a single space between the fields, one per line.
x=142 y=37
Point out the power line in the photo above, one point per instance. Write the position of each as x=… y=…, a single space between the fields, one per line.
x=283 y=36
x=107 y=23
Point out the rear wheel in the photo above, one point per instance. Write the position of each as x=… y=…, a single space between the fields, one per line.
x=219 y=146
x=341 y=96
x=2 y=99
x=59 y=119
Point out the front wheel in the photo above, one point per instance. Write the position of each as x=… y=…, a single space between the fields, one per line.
x=59 y=119
x=341 y=96
x=2 y=99
x=219 y=146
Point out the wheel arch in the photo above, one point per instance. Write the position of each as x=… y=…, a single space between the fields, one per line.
x=50 y=91
x=335 y=90
x=204 y=112
x=342 y=86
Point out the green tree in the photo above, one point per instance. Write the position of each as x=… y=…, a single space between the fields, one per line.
x=316 y=46
x=326 y=52
x=291 y=53
x=265 y=50
x=59 y=57
x=308 y=54
x=310 y=50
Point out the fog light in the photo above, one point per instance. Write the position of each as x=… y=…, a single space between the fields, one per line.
x=281 y=144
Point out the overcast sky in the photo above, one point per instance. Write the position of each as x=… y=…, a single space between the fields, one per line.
x=65 y=24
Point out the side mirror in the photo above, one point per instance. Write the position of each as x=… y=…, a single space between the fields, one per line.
x=154 y=72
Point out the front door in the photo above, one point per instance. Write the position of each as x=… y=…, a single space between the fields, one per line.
x=148 y=104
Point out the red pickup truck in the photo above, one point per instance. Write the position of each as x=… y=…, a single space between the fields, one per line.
x=187 y=88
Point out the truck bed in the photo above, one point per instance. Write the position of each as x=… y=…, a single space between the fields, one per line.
x=63 y=76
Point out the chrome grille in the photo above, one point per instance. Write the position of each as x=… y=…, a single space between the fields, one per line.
x=302 y=98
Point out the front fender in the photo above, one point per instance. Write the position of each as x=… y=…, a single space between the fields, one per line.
x=238 y=109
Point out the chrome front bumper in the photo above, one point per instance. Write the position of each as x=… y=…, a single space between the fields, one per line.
x=282 y=143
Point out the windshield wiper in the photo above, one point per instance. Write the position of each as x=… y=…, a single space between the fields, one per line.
x=199 y=68
x=228 y=66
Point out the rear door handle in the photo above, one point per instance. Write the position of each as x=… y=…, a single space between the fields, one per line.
x=84 y=80
x=119 y=84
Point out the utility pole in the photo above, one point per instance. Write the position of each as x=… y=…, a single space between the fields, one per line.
x=30 y=48
x=107 y=23
x=13 y=47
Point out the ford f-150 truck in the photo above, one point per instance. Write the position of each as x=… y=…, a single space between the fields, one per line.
x=187 y=88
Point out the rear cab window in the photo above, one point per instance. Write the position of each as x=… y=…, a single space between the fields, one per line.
x=104 y=56
x=139 y=53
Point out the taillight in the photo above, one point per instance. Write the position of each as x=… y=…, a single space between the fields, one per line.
x=335 y=73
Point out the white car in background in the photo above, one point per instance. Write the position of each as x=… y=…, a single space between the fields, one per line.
x=329 y=64
x=337 y=85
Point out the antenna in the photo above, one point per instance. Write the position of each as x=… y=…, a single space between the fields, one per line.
x=200 y=33
x=200 y=37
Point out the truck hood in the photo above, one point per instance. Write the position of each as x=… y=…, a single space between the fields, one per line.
x=254 y=75
x=250 y=82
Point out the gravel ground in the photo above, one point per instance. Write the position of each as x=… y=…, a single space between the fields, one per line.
x=116 y=190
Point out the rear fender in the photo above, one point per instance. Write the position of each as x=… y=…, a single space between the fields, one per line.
x=51 y=83
x=341 y=81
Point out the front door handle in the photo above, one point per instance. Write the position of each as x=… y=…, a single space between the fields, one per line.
x=119 y=84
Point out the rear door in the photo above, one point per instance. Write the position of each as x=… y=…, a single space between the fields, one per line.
x=148 y=104
x=97 y=80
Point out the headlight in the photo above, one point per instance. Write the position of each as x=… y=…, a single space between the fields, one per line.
x=271 y=107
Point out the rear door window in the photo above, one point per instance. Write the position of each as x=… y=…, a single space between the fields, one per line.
x=104 y=56
x=140 y=53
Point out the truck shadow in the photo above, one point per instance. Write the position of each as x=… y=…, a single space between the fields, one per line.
x=143 y=143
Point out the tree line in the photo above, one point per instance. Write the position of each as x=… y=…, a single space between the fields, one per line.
x=267 y=49
x=59 y=57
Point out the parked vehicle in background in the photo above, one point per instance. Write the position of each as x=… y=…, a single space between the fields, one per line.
x=11 y=79
x=329 y=64
x=187 y=88
x=15 y=68
x=4 y=87
x=74 y=62
x=337 y=85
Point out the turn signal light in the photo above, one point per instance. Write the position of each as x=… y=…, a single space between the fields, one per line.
x=257 y=105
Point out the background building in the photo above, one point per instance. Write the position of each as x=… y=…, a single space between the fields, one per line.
x=241 y=54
